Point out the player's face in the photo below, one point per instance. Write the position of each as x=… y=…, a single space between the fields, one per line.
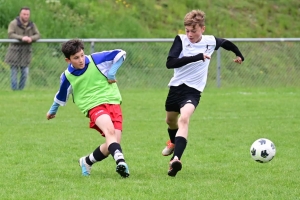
x=194 y=33
x=77 y=60
x=25 y=15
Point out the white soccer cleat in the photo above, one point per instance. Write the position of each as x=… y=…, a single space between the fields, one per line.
x=85 y=168
x=169 y=149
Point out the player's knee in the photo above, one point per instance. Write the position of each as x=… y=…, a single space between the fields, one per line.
x=183 y=121
x=171 y=122
x=109 y=132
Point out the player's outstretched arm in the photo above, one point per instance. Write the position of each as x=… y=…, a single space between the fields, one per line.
x=229 y=46
x=52 y=111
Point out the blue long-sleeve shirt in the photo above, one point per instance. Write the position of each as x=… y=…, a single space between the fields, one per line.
x=108 y=63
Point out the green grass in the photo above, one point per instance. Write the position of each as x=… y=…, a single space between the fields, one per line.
x=39 y=157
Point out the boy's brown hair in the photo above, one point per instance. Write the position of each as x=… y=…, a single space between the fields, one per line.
x=71 y=47
x=195 y=17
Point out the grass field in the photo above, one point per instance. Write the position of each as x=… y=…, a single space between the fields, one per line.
x=39 y=157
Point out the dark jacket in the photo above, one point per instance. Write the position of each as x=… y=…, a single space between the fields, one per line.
x=19 y=54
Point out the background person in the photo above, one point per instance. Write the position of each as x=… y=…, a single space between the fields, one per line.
x=19 y=54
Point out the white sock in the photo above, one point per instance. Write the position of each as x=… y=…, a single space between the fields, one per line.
x=118 y=155
x=92 y=159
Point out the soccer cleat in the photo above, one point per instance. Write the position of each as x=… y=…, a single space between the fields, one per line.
x=85 y=168
x=175 y=166
x=169 y=149
x=122 y=169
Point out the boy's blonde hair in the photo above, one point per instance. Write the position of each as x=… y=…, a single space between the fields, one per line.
x=195 y=17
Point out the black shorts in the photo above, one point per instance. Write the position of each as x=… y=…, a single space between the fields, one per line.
x=180 y=95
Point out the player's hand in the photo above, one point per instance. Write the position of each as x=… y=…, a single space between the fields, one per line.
x=111 y=81
x=238 y=60
x=50 y=116
x=206 y=57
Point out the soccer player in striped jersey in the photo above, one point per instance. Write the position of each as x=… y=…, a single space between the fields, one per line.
x=189 y=56
x=91 y=81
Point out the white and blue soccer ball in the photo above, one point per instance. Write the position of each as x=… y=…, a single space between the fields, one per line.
x=262 y=150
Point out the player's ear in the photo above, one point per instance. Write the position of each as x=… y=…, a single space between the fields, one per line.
x=67 y=60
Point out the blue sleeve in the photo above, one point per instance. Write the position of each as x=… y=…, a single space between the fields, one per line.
x=114 y=68
x=53 y=108
x=65 y=89
x=104 y=56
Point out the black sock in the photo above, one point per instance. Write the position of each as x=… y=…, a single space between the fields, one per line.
x=116 y=152
x=180 y=144
x=96 y=156
x=172 y=134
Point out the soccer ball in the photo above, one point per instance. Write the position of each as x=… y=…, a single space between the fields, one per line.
x=262 y=150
